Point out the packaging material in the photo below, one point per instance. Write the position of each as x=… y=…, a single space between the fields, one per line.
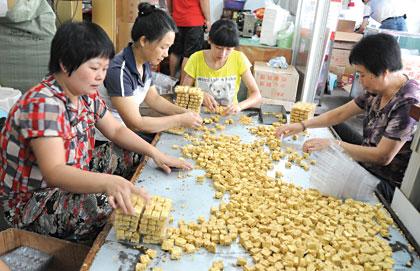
x=285 y=37
x=26 y=259
x=25 y=37
x=8 y=97
x=278 y=62
x=276 y=83
x=347 y=37
x=66 y=255
x=332 y=82
x=163 y=83
x=340 y=64
x=275 y=19
x=264 y=54
x=346 y=26
x=336 y=174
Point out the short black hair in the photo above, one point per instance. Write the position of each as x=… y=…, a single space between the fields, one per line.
x=74 y=43
x=224 y=32
x=377 y=53
x=152 y=22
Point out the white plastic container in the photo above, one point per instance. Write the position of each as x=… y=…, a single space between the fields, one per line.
x=275 y=19
x=8 y=97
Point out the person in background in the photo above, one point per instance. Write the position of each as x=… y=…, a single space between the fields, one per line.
x=190 y=17
x=128 y=83
x=387 y=127
x=390 y=13
x=48 y=140
x=219 y=70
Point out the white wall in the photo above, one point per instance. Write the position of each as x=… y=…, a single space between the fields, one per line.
x=413 y=18
x=216 y=9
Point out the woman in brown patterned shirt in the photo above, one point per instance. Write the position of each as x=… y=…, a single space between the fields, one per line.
x=387 y=127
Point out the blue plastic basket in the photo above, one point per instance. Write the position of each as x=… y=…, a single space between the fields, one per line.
x=234 y=4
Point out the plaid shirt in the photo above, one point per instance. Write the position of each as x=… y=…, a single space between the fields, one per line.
x=44 y=111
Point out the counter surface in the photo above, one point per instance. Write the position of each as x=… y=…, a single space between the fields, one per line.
x=191 y=200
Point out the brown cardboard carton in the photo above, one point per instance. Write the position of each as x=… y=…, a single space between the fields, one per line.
x=346 y=26
x=347 y=37
x=67 y=256
x=276 y=83
x=264 y=54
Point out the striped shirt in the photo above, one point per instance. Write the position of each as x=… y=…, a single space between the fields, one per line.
x=44 y=111
x=123 y=80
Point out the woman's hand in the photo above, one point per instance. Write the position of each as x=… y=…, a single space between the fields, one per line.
x=232 y=109
x=165 y=162
x=317 y=144
x=120 y=190
x=190 y=119
x=289 y=129
x=210 y=102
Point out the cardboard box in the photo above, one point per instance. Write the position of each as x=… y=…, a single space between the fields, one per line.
x=339 y=64
x=264 y=54
x=346 y=26
x=276 y=83
x=347 y=37
x=67 y=256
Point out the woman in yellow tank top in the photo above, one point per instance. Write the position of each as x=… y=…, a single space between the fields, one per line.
x=219 y=70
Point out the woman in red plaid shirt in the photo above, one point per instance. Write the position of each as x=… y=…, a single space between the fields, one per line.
x=48 y=138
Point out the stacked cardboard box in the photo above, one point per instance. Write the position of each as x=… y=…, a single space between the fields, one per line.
x=277 y=86
x=340 y=65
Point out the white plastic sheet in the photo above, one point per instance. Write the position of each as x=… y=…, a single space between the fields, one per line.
x=336 y=174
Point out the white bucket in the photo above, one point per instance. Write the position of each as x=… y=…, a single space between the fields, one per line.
x=8 y=97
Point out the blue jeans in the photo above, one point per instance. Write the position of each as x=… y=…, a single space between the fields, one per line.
x=398 y=24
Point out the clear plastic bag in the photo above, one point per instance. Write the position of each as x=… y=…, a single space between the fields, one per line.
x=337 y=174
x=285 y=36
x=163 y=83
